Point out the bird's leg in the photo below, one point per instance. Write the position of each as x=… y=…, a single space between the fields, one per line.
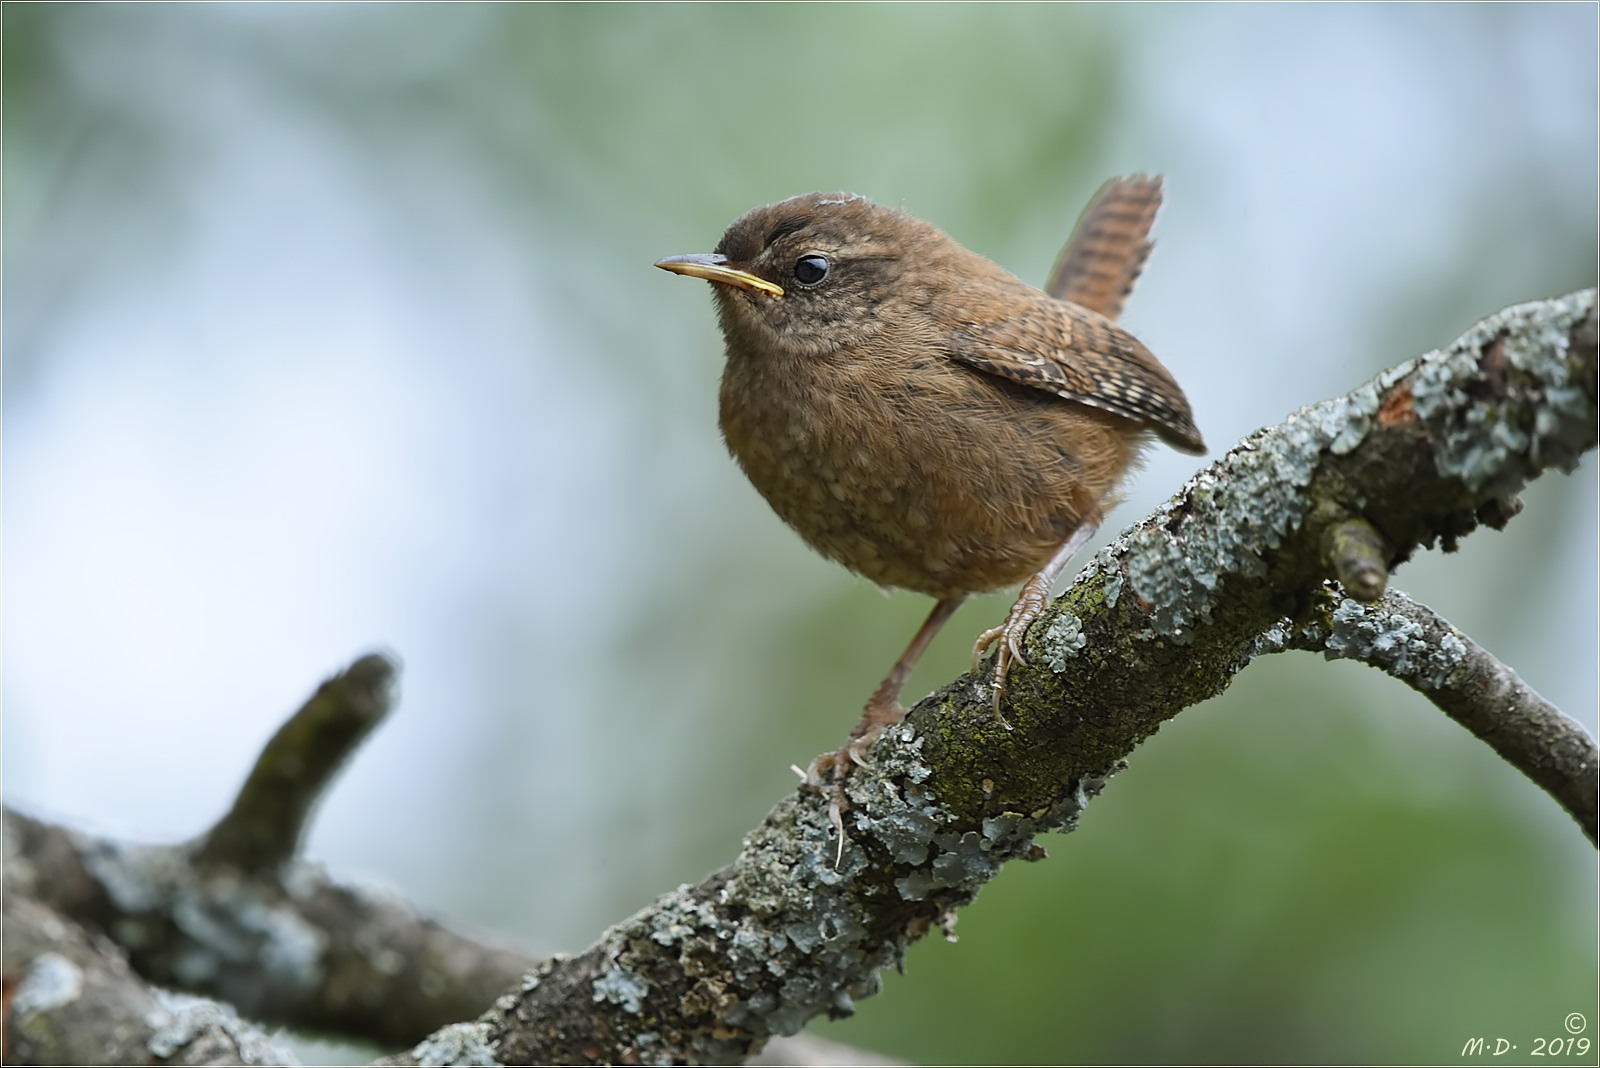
x=1029 y=604
x=882 y=712
x=883 y=708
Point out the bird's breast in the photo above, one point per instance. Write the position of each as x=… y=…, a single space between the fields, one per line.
x=917 y=472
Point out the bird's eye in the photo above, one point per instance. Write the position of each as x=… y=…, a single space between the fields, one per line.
x=811 y=270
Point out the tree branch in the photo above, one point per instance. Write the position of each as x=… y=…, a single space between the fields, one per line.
x=1409 y=641
x=1159 y=620
x=234 y=916
x=367 y=966
x=72 y=999
x=269 y=815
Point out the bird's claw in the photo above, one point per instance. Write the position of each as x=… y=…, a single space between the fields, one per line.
x=1010 y=635
x=830 y=771
x=981 y=646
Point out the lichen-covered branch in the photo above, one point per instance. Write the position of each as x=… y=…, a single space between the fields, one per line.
x=1158 y=621
x=268 y=818
x=72 y=999
x=1236 y=564
x=232 y=916
x=458 y=975
x=272 y=935
x=1409 y=641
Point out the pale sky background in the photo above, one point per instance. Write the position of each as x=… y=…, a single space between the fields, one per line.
x=290 y=394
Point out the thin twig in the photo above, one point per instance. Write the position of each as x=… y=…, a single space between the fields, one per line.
x=270 y=813
x=1420 y=648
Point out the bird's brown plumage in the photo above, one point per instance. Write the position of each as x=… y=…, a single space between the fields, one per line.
x=920 y=415
x=923 y=417
x=1109 y=246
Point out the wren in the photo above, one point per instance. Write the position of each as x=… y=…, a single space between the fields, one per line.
x=924 y=418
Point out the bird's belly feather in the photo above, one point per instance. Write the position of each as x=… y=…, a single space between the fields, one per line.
x=885 y=479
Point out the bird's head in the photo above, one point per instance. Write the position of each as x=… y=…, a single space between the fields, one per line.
x=818 y=273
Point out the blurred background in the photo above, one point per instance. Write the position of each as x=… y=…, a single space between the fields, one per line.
x=335 y=328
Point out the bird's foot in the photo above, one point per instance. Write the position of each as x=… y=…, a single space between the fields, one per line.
x=1010 y=634
x=827 y=775
x=829 y=772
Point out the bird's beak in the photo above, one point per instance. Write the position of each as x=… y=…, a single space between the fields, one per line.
x=714 y=268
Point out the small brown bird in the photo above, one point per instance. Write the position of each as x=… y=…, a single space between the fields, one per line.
x=923 y=417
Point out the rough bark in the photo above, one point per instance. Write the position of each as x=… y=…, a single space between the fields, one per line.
x=72 y=999
x=1245 y=559
x=235 y=916
x=1158 y=621
x=1408 y=640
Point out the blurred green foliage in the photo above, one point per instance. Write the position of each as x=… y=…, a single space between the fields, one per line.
x=1315 y=867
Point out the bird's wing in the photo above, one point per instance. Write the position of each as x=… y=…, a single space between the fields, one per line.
x=1109 y=246
x=1084 y=357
